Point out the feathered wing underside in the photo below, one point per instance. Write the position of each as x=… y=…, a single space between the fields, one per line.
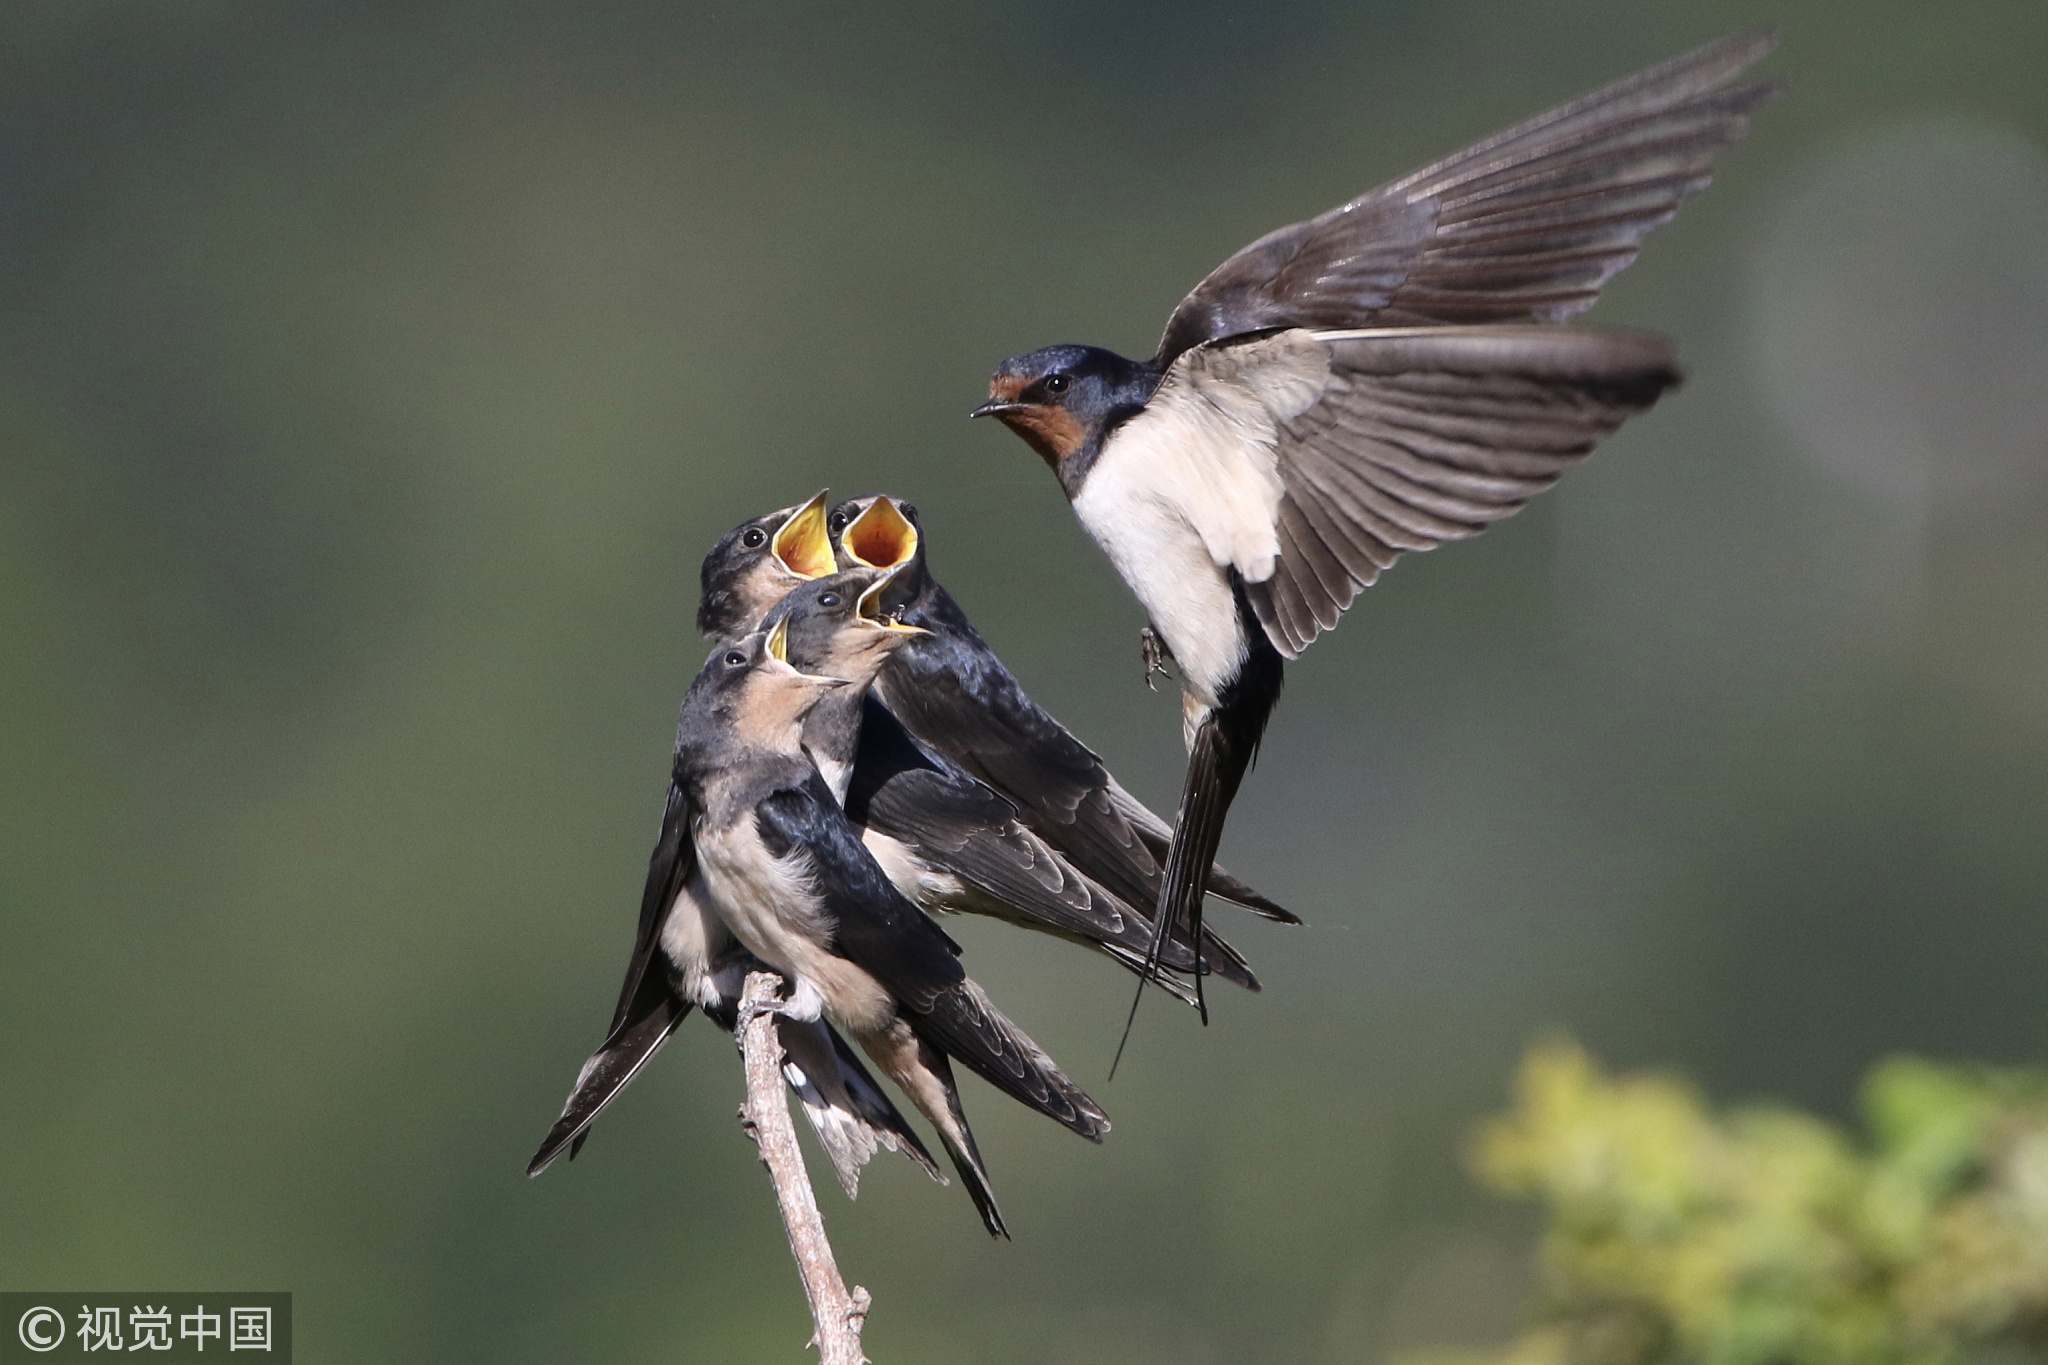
x=1526 y=225
x=1426 y=436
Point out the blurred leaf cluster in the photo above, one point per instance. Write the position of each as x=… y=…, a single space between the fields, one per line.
x=1763 y=1236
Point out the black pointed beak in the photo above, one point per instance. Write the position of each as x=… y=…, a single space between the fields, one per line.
x=995 y=407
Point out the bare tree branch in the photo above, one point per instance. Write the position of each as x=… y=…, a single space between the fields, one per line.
x=838 y=1314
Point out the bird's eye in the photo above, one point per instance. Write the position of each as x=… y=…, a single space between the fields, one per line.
x=753 y=538
x=734 y=659
x=910 y=512
x=1057 y=384
x=830 y=599
x=838 y=522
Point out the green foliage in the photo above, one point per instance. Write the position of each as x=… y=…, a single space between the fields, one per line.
x=1682 y=1236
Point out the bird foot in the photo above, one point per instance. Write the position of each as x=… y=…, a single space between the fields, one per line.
x=1158 y=659
x=804 y=1005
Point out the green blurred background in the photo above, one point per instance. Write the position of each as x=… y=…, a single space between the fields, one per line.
x=373 y=376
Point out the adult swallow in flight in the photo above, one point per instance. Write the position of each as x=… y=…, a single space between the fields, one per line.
x=1375 y=379
x=790 y=878
x=946 y=840
x=957 y=699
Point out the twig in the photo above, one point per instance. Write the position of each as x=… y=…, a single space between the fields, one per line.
x=837 y=1314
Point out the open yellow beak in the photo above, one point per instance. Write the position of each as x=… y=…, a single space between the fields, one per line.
x=803 y=544
x=778 y=641
x=874 y=609
x=880 y=537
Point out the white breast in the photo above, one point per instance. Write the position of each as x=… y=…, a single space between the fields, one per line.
x=1161 y=557
x=1188 y=490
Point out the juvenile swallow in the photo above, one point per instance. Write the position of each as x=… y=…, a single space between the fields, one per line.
x=790 y=878
x=954 y=695
x=754 y=564
x=1375 y=379
x=683 y=956
x=946 y=840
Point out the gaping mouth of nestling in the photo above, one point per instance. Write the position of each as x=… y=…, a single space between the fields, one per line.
x=803 y=543
x=883 y=605
x=777 y=646
x=881 y=537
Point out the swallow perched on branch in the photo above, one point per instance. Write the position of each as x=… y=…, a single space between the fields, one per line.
x=788 y=875
x=683 y=957
x=952 y=693
x=1377 y=379
x=946 y=840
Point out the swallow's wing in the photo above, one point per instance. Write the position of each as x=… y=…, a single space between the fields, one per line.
x=965 y=1023
x=1307 y=461
x=668 y=867
x=961 y=824
x=959 y=700
x=648 y=1011
x=969 y=831
x=617 y=1061
x=879 y=931
x=872 y=925
x=1524 y=226
x=1341 y=450
x=956 y=825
